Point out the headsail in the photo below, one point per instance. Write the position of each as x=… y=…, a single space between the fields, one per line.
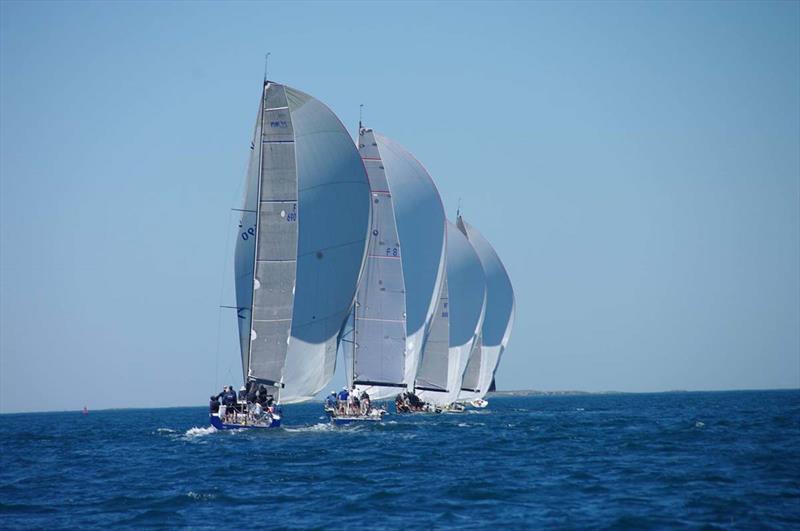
x=304 y=225
x=413 y=267
x=244 y=257
x=466 y=287
x=499 y=319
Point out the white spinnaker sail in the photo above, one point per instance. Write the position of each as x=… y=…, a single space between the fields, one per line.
x=466 y=287
x=420 y=225
x=500 y=304
x=311 y=221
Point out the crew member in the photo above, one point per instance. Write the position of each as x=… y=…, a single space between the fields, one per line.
x=252 y=388
x=213 y=406
x=229 y=396
x=365 y=402
x=343 y=396
x=330 y=401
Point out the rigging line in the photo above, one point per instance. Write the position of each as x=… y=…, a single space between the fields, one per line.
x=337 y=246
x=221 y=295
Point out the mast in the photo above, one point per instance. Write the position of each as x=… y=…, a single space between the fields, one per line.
x=354 y=346
x=355 y=296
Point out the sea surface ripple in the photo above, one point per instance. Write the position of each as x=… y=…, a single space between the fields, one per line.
x=724 y=459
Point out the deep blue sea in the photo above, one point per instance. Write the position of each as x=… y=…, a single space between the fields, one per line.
x=727 y=459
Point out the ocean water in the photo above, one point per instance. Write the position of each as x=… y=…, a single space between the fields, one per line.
x=728 y=459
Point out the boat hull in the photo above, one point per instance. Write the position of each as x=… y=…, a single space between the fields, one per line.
x=220 y=425
x=376 y=415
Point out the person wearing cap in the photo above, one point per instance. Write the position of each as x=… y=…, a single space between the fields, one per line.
x=330 y=401
x=343 y=396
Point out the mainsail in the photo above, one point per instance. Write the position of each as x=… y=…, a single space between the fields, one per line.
x=404 y=268
x=379 y=339
x=301 y=246
x=470 y=383
x=499 y=318
x=434 y=365
x=466 y=290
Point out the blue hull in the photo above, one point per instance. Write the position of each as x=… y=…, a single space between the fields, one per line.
x=218 y=424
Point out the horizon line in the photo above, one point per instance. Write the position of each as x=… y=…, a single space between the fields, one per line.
x=537 y=392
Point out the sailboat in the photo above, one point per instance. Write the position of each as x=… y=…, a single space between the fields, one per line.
x=403 y=272
x=456 y=324
x=299 y=252
x=497 y=324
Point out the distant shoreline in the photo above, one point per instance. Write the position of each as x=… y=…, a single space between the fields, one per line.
x=535 y=392
x=499 y=394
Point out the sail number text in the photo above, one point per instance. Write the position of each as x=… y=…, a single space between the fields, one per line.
x=290 y=217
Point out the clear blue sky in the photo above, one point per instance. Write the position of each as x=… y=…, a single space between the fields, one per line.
x=636 y=166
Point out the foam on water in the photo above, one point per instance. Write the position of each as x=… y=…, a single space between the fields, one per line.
x=195 y=432
x=326 y=426
x=200 y=496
